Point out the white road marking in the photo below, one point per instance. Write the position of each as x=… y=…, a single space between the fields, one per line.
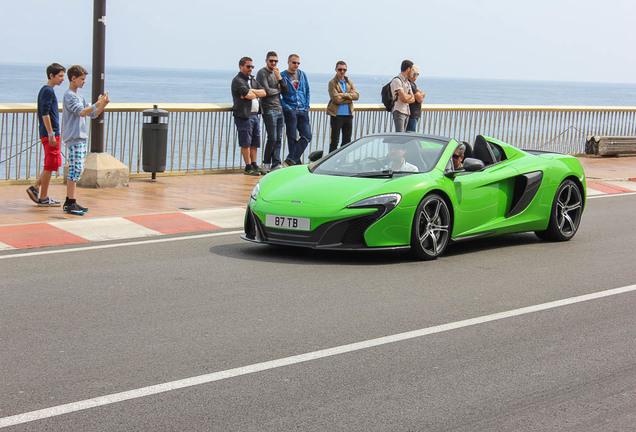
x=622 y=194
x=112 y=228
x=224 y=218
x=287 y=361
x=4 y=246
x=114 y=245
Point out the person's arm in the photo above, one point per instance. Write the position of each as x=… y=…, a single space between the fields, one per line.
x=419 y=96
x=335 y=93
x=398 y=90
x=49 y=129
x=255 y=93
x=284 y=104
x=261 y=78
x=307 y=93
x=404 y=97
x=48 y=104
x=284 y=89
x=353 y=93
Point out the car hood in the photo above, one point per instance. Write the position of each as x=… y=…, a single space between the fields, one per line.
x=296 y=185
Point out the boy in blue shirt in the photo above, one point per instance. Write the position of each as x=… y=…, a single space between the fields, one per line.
x=75 y=113
x=49 y=128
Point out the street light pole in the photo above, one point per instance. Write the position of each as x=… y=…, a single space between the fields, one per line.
x=99 y=50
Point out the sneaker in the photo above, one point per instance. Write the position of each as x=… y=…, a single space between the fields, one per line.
x=84 y=209
x=33 y=193
x=249 y=170
x=48 y=202
x=266 y=168
x=276 y=167
x=73 y=209
x=288 y=163
x=258 y=170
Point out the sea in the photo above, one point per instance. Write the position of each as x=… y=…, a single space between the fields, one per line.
x=20 y=83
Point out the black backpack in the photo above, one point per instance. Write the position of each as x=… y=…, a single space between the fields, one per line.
x=388 y=99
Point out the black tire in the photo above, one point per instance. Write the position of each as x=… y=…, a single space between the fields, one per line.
x=565 y=215
x=431 y=229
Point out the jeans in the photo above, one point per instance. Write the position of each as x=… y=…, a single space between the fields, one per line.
x=274 y=126
x=296 y=120
x=400 y=121
x=412 y=125
x=338 y=123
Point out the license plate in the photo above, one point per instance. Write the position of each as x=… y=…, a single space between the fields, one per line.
x=287 y=222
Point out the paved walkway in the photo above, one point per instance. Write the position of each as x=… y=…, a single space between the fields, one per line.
x=176 y=204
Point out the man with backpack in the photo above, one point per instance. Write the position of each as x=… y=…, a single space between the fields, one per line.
x=402 y=94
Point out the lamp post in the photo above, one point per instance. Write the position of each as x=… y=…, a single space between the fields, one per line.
x=99 y=49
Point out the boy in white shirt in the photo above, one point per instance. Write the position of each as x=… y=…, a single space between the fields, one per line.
x=75 y=113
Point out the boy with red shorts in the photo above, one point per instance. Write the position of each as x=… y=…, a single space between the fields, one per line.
x=49 y=122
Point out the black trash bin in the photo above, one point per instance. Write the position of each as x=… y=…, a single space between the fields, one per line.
x=154 y=135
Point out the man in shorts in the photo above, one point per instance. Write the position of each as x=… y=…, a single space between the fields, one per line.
x=49 y=125
x=246 y=110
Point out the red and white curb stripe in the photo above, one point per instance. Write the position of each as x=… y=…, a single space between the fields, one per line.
x=595 y=187
x=117 y=228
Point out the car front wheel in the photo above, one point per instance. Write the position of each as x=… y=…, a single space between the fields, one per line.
x=431 y=228
x=565 y=215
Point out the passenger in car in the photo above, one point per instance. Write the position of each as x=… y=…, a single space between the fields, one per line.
x=458 y=157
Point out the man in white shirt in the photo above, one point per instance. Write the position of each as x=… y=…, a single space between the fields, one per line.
x=397 y=161
x=403 y=95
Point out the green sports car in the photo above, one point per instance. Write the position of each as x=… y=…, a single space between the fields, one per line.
x=417 y=192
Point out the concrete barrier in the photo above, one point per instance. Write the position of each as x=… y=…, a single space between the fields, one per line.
x=610 y=145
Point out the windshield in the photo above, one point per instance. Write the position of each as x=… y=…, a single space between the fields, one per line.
x=383 y=156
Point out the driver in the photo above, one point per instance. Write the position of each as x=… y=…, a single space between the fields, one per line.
x=397 y=161
x=458 y=157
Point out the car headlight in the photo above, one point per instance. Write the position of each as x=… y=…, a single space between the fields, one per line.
x=385 y=202
x=254 y=194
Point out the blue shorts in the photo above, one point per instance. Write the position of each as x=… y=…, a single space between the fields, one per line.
x=249 y=131
x=76 y=157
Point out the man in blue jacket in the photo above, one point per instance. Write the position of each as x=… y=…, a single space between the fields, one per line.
x=296 y=110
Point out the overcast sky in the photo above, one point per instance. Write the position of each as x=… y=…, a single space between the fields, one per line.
x=555 y=40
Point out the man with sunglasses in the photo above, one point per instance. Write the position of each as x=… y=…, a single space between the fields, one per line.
x=245 y=93
x=458 y=156
x=342 y=93
x=272 y=82
x=296 y=110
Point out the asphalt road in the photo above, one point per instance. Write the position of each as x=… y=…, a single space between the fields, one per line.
x=98 y=322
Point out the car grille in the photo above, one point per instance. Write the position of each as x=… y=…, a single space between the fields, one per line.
x=344 y=233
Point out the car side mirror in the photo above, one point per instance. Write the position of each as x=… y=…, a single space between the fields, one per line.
x=472 y=164
x=315 y=155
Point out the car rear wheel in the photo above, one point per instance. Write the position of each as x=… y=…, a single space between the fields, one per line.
x=565 y=215
x=431 y=228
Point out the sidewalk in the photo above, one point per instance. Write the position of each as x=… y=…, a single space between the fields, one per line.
x=174 y=204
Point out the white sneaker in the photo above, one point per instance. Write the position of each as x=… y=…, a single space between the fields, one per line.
x=267 y=167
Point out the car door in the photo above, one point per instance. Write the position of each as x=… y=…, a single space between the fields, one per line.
x=482 y=198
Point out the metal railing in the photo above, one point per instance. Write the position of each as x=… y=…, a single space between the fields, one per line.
x=202 y=137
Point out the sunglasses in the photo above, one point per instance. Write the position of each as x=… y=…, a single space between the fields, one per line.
x=341 y=70
x=456 y=156
x=250 y=67
x=296 y=63
x=273 y=61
